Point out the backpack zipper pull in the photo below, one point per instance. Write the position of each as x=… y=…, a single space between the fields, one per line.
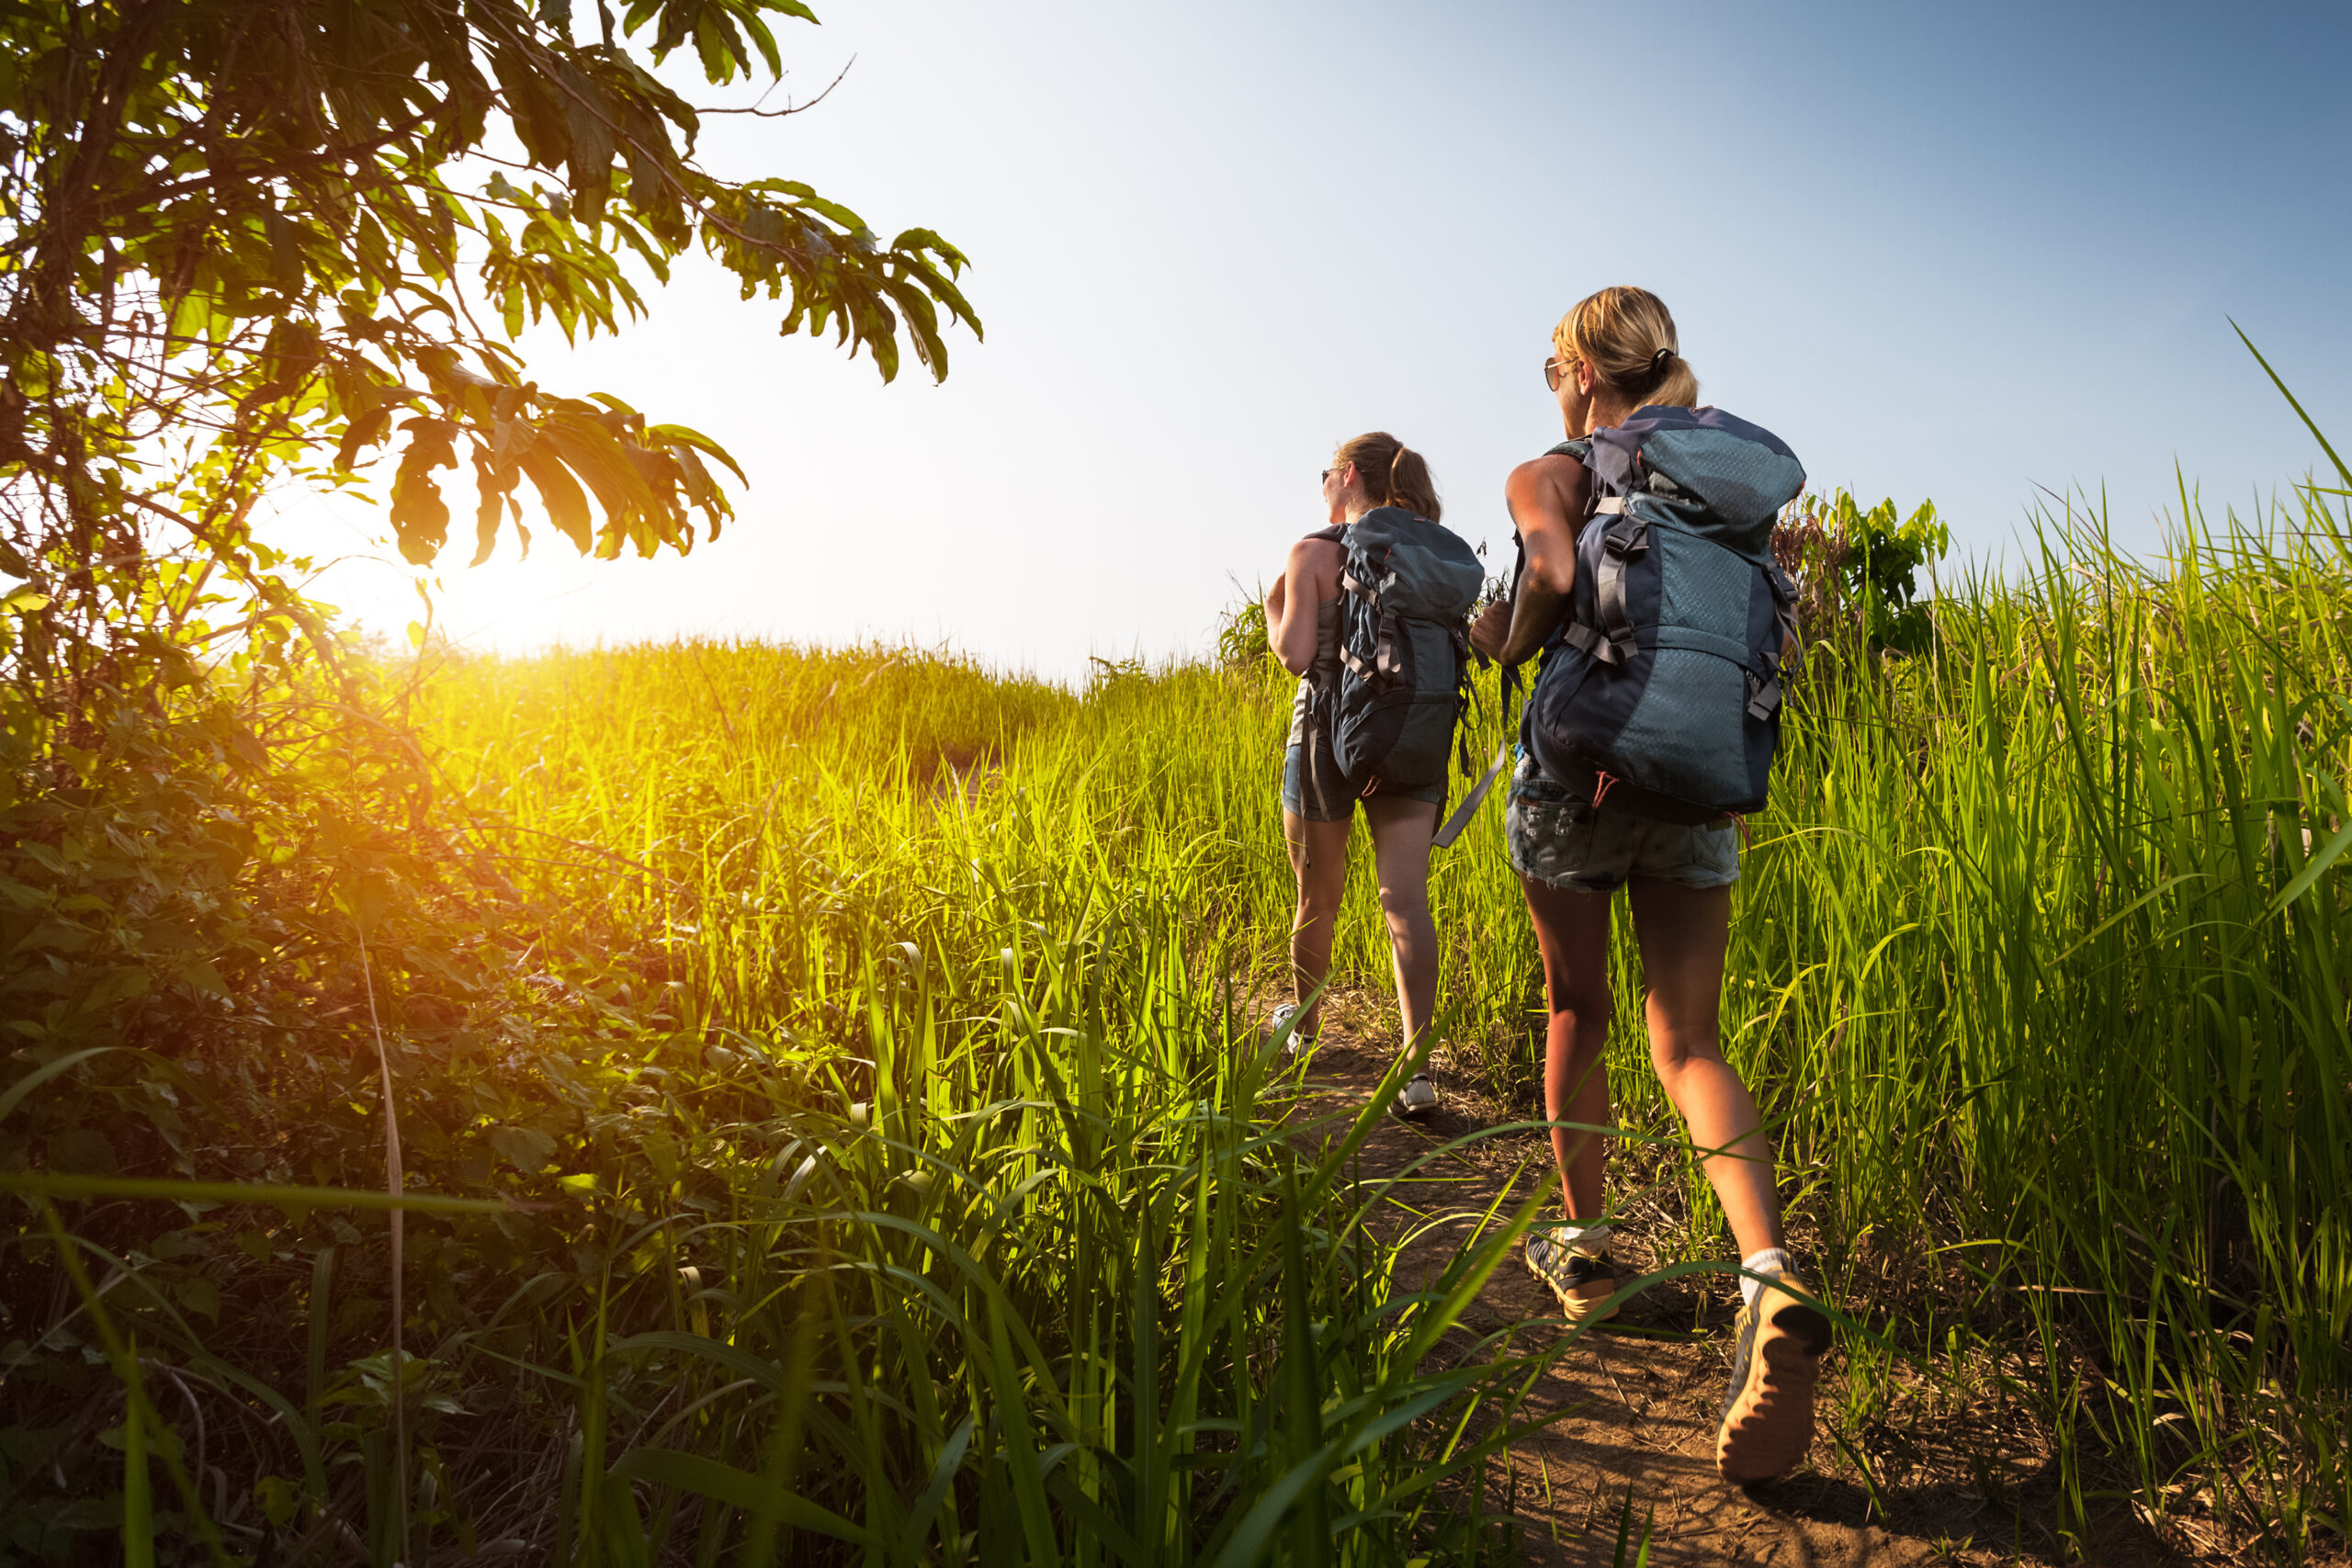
x=1601 y=789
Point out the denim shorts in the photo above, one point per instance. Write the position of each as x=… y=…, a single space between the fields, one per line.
x=1557 y=836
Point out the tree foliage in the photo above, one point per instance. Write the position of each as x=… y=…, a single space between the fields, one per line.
x=246 y=240
x=1858 y=571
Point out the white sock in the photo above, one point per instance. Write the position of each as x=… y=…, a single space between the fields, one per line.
x=1575 y=1237
x=1770 y=1260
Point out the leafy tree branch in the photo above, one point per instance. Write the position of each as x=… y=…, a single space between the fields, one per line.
x=243 y=242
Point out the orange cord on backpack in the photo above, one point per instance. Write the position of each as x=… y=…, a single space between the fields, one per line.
x=1601 y=790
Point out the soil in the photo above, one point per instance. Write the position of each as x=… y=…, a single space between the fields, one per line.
x=1630 y=1444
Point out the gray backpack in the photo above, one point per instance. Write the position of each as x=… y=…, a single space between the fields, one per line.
x=1407 y=591
x=1661 y=694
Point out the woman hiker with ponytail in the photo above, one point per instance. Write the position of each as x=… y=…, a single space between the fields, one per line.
x=1613 y=355
x=1304 y=624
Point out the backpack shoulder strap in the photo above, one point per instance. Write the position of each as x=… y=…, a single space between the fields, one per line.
x=1336 y=534
x=1614 y=458
x=1612 y=641
x=1611 y=458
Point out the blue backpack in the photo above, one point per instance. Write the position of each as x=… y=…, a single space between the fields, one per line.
x=1660 y=694
x=1406 y=589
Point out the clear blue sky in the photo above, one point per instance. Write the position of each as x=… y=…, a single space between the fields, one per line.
x=1959 y=253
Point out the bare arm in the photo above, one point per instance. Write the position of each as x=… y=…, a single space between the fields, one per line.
x=1310 y=576
x=1547 y=498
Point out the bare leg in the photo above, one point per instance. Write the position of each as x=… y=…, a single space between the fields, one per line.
x=1572 y=933
x=1401 y=831
x=1318 y=856
x=1683 y=932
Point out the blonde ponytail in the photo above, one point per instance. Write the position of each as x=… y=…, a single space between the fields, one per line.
x=1628 y=336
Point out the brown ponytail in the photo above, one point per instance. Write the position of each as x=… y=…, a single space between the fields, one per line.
x=1393 y=474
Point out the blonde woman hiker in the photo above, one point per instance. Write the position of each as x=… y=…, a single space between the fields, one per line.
x=1646 y=584
x=1371 y=614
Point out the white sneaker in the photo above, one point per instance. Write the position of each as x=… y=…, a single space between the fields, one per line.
x=1283 y=1017
x=1416 y=1099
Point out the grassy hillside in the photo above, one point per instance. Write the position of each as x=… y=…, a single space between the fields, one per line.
x=863 y=1045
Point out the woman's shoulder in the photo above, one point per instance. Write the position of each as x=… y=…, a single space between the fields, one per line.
x=1561 y=457
x=1320 y=553
x=1554 y=483
x=1564 y=462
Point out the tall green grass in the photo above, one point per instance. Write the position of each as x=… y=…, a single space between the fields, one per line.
x=910 y=1179
x=2039 y=959
x=2047 y=967
x=876 y=1034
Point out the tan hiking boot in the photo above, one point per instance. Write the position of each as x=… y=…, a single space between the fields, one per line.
x=1767 y=1419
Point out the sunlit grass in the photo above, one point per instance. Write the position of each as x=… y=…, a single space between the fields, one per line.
x=961 y=1208
x=2038 y=963
x=875 y=1038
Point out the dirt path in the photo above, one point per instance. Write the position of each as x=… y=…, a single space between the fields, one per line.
x=1639 y=1409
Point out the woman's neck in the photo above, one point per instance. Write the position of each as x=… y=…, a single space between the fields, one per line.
x=1603 y=414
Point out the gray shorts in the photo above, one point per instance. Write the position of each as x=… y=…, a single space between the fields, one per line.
x=1312 y=786
x=1557 y=836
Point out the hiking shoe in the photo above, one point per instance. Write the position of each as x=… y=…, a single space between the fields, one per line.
x=1768 y=1418
x=1583 y=1280
x=1416 y=1099
x=1285 y=1017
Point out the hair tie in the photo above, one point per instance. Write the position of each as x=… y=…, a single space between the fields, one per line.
x=1658 y=361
